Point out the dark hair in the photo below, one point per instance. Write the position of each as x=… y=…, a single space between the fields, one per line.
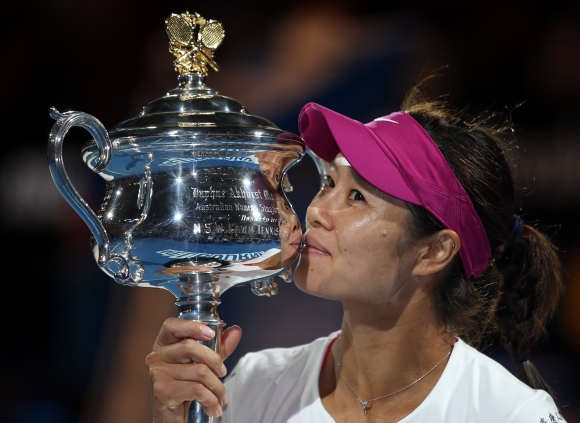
x=515 y=296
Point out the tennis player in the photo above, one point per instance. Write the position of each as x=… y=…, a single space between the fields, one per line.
x=417 y=234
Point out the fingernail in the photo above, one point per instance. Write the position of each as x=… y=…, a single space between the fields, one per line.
x=225 y=399
x=223 y=370
x=220 y=411
x=207 y=331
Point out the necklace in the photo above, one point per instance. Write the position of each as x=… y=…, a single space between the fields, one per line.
x=364 y=403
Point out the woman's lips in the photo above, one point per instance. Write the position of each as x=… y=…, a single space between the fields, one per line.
x=311 y=246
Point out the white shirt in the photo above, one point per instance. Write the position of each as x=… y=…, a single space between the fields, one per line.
x=280 y=385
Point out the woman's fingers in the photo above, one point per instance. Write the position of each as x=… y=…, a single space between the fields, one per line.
x=171 y=400
x=174 y=330
x=174 y=384
x=182 y=370
x=199 y=373
x=188 y=351
x=230 y=340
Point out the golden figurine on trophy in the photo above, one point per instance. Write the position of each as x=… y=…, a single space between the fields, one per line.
x=193 y=41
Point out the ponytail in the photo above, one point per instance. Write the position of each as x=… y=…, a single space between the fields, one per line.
x=531 y=284
x=513 y=299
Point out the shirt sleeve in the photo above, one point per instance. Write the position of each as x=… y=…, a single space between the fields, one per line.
x=537 y=408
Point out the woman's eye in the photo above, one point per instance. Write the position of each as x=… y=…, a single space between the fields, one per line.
x=329 y=181
x=356 y=196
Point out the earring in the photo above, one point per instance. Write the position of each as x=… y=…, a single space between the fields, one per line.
x=453 y=245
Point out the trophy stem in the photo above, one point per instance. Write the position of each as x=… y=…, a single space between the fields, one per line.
x=202 y=307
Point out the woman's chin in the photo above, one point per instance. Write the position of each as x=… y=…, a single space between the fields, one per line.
x=302 y=279
x=306 y=282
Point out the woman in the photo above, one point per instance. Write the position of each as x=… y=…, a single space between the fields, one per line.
x=415 y=234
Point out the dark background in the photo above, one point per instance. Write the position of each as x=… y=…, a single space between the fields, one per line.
x=74 y=343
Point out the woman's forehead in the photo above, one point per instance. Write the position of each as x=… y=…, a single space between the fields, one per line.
x=341 y=161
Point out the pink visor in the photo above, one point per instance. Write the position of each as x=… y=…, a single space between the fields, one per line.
x=395 y=154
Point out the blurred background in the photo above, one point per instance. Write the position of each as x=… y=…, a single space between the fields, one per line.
x=74 y=342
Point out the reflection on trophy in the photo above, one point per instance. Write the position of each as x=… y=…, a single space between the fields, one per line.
x=195 y=201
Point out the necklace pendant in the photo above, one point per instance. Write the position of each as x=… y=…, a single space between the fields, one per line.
x=365 y=403
x=364 y=406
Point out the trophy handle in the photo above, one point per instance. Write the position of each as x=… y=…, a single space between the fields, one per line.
x=64 y=122
x=319 y=166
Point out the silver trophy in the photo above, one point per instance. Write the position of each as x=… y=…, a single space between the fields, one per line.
x=195 y=199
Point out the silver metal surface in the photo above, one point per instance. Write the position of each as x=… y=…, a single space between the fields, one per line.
x=65 y=121
x=320 y=166
x=193 y=177
x=194 y=199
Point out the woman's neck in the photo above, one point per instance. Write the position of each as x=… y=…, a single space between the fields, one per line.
x=381 y=355
x=383 y=349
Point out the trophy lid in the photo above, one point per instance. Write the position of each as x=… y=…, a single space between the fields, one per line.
x=193 y=110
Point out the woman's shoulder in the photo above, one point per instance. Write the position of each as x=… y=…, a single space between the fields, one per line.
x=273 y=362
x=484 y=383
x=537 y=408
x=475 y=366
x=270 y=385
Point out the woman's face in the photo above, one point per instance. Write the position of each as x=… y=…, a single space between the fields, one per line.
x=353 y=241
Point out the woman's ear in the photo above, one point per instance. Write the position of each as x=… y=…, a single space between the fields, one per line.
x=436 y=252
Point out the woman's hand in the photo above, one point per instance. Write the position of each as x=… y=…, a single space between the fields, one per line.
x=182 y=370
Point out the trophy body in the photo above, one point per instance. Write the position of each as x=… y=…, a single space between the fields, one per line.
x=195 y=201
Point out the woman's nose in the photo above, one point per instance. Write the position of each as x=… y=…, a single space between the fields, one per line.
x=319 y=213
